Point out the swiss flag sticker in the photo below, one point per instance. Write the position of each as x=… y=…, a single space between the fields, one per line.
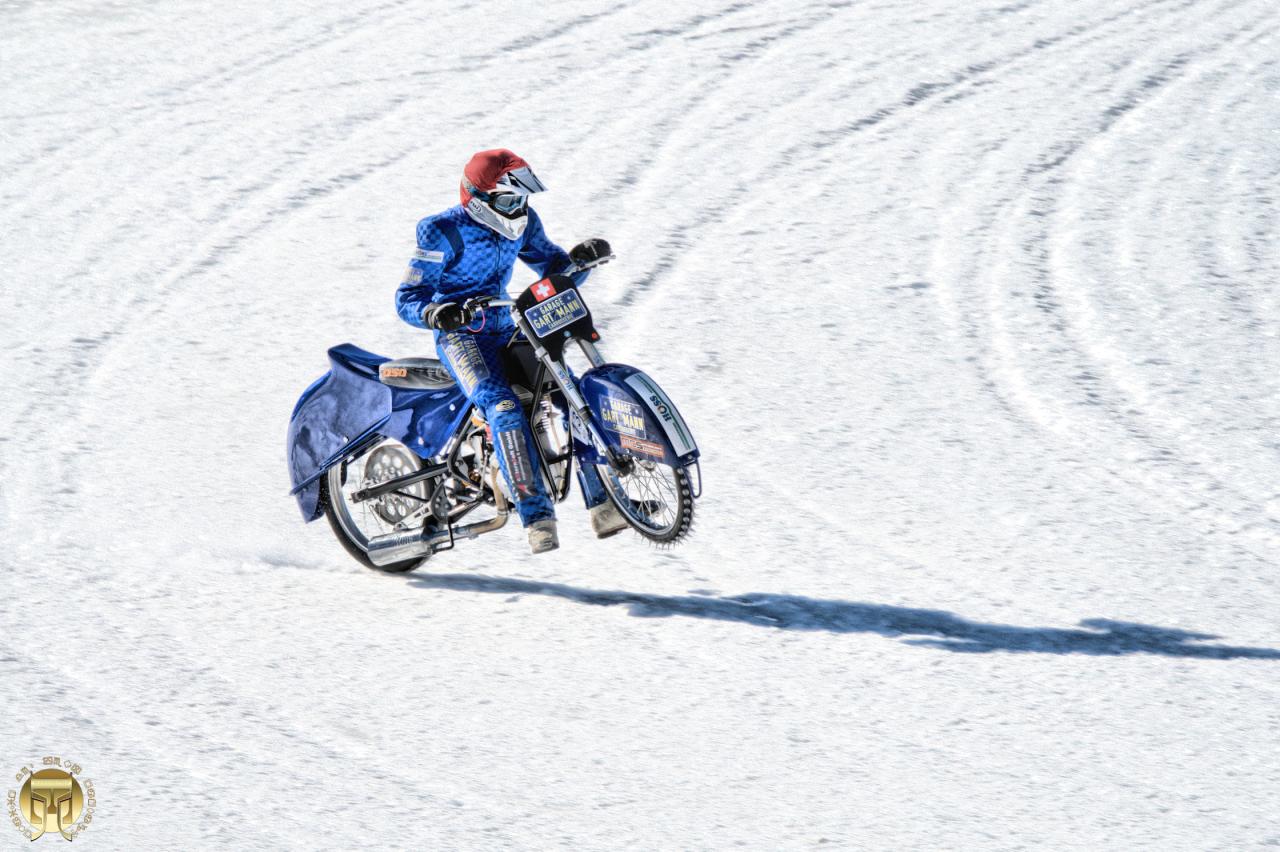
x=543 y=290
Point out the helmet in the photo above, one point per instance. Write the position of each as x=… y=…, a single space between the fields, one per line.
x=495 y=191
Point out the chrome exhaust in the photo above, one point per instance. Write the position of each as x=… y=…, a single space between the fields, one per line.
x=397 y=547
x=413 y=544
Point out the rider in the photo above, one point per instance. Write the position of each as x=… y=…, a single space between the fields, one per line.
x=467 y=251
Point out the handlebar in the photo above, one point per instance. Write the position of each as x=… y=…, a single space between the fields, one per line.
x=482 y=302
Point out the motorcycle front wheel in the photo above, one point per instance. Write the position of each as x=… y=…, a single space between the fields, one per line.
x=655 y=498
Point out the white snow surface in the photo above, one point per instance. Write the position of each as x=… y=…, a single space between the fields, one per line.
x=971 y=306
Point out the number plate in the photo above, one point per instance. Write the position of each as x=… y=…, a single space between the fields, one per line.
x=555 y=313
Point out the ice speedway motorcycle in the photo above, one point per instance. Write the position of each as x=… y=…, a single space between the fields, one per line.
x=395 y=456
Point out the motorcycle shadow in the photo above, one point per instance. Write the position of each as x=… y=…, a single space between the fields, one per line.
x=940 y=629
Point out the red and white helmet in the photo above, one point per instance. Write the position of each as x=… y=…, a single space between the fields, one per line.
x=495 y=191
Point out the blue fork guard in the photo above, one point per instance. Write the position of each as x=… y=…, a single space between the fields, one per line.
x=635 y=416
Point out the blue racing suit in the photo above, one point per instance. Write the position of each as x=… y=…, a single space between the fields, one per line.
x=458 y=258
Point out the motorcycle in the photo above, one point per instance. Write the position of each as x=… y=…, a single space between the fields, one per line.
x=394 y=455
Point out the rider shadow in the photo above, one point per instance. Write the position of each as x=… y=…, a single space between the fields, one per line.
x=941 y=629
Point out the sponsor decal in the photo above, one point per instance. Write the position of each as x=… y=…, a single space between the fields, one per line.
x=672 y=423
x=515 y=454
x=463 y=355
x=393 y=372
x=505 y=405
x=543 y=290
x=412 y=276
x=555 y=313
x=648 y=448
x=623 y=416
x=429 y=256
x=52 y=800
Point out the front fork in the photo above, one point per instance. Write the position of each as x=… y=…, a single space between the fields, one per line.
x=571 y=393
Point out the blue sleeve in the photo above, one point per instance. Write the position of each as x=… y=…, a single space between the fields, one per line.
x=422 y=278
x=543 y=256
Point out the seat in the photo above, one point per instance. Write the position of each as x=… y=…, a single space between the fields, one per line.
x=415 y=374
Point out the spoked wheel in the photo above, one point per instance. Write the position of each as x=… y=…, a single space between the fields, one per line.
x=355 y=523
x=655 y=498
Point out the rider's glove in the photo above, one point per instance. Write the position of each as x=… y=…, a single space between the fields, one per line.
x=446 y=316
x=592 y=252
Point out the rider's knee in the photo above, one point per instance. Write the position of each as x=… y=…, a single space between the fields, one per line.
x=500 y=404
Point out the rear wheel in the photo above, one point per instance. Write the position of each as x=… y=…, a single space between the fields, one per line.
x=655 y=498
x=355 y=523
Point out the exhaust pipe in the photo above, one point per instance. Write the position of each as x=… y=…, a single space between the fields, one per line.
x=397 y=547
x=412 y=544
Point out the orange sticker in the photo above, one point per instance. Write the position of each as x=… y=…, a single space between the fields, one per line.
x=647 y=447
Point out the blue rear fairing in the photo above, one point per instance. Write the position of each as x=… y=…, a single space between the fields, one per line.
x=349 y=405
x=635 y=416
x=306 y=395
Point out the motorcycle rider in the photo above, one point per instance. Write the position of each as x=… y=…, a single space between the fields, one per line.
x=469 y=250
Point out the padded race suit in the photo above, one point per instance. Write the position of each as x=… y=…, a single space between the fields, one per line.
x=458 y=258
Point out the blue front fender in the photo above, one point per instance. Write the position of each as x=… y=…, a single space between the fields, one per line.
x=635 y=416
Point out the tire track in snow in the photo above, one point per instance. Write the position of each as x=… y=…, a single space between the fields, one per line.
x=1220 y=288
x=1043 y=181
x=965 y=325
x=688 y=119
x=796 y=158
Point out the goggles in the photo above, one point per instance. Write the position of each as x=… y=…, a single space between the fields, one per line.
x=503 y=200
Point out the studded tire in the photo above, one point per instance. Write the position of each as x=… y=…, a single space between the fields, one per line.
x=656 y=500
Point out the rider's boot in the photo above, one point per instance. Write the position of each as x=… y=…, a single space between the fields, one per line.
x=606 y=520
x=542 y=536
